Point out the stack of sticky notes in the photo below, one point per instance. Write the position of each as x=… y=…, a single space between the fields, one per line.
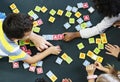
x=15 y=65
x=80 y=46
x=91 y=40
x=86 y=63
x=59 y=60
x=52 y=76
x=71 y=20
x=33 y=14
x=67 y=58
x=14 y=8
x=68 y=14
x=91 y=9
x=67 y=25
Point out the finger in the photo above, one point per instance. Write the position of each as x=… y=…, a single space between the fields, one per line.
x=108 y=53
x=38 y=48
x=48 y=43
x=69 y=80
x=110 y=46
x=116 y=46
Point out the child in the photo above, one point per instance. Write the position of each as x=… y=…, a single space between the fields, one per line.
x=111 y=75
x=113 y=50
x=110 y=9
x=16 y=27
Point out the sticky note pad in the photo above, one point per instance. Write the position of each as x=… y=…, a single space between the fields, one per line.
x=37 y=8
x=98 y=40
x=35 y=23
x=68 y=8
x=80 y=5
x=16 y=11
x=74 y=9
x=69 y=60
x=31 y=13
x=60 y=12
x=39 y=70
x=58 y=60
x=67 y=25
x=51 y=19
x=94 y=57
x=25 y=65
x=89 y=24
x=86 y=63
x=83 y=25
x=101 y=46
x=90 y=54
x=21 y=42
x=40 y=63
x=99 y=59
x=78 y=28
x=36 y=29
x=49 y=73
x=52 y=12
x=86 y=17
x=80 y=20
x=35 y=64
x=53 y=78
x=78 y=14
x=96 y=50
x=71 y=20
x=13 y=6
x=80 y=46
x=103 y=38
x=64 y=56
x=32 y=68
x=91 y=9
x=91 y=40
x=40 y=22
x=15 y=64
x=44 y=9
x=68 y=14
x=82 y=55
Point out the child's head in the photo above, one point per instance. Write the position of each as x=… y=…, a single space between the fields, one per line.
x=17 y=26
x=108 y=7
x=40 y=80
x=107 y=78
x=112 y=76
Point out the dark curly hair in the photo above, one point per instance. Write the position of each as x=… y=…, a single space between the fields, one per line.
x=108 y=7
x=15 y=25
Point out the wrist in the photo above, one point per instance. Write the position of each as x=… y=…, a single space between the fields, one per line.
x=91 y=77
x=77 y=34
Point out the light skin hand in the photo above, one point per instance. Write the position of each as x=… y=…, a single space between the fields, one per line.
x=90 y=69
x=113 y=50
x=117 y=24
x=68 y=36
x=66 y=80
x=99 y=66
x=40 y=43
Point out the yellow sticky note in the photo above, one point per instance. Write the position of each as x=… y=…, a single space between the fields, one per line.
x=64 y=56
x=103 y=38
x=35 y=64
x=16 y=11
x=51 y=19
x=44 y=9
x=82 y=55
x=60 y=12
x=13 y=6
x=53 y=78
x=35 y=24
x=90 y=54
x=99 y=59
x=98 y=40
x=78 y=14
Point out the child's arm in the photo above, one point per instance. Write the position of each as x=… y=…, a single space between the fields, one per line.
x=90 y=71
x=40 y=43
x=39 y=56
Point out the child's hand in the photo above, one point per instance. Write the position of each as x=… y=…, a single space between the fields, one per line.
x=117 y=24
x=90 y=69
x=99 y=66
x=68 y=36
x=112 y=50
x=66 y=80
x=54 y=50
